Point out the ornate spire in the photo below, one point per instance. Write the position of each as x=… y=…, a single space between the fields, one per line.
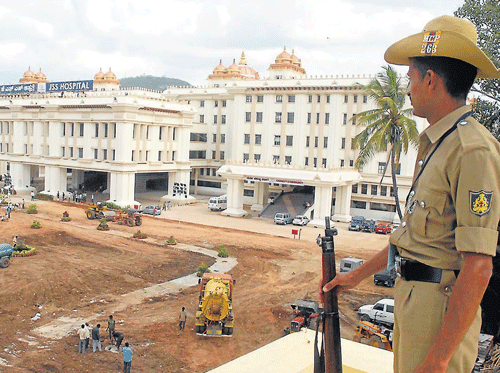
x=243 y=60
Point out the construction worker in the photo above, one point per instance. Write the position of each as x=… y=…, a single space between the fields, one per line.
x=449 y=232
x=182 y=318
x=118 y=336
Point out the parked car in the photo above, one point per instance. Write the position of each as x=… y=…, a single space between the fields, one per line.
x=300 y=220
x=385 y=278
x=150 y=210
x=395 y=226
x=355 y=224
x=368 y=226
x=383 y=228
x=350 y=263
x=381 y=312
x=283 y=218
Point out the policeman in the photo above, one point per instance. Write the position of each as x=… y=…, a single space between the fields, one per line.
x=449 y=232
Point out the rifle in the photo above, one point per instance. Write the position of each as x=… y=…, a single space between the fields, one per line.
x=330 y=358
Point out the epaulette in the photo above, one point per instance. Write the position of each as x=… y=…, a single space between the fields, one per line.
x=472 y=134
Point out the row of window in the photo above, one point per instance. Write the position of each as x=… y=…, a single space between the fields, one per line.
x=222 y=120
x=216 y=103
x=373 y=206
x=374 y=188
x=290 y=117
x=69 y=129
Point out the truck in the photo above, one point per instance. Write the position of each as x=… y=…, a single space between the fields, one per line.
x=385 y=278
x=5 y=255
x=305 y=315
x=380 y=313
x=214 y=316
x=350 y=263
x=355 y=224
x=218 y=203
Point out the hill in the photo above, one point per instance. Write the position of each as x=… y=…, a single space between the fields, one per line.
x=157 y=83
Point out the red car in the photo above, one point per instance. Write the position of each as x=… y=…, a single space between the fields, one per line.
x=383 y=228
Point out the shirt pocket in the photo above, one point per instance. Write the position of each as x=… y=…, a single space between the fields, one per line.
x=427 y=217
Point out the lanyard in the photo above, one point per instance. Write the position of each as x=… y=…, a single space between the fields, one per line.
x=441 y=139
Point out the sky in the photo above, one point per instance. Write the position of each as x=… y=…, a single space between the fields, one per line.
x=73 y=39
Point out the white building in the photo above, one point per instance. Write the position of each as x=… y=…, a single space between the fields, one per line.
x=290 y=129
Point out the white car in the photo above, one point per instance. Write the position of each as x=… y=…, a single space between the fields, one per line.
x=300 y=220
x=152 y=210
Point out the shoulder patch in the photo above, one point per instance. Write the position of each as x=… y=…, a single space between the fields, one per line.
x=480 y=202
x=471 y=134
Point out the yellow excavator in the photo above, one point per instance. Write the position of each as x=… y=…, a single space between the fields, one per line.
x=99 y=211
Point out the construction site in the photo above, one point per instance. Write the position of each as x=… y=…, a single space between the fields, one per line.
x=81 y=274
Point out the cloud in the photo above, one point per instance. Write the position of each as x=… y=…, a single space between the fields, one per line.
x=11 y=51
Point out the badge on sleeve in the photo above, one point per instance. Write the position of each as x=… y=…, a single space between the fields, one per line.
x=480 y=202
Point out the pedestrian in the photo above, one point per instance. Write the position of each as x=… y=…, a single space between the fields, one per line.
x=127 y=358
x=319 y=240
x=22 y=205
x=111 y=328
x=87 y=336
x=448 y=235
x=182 y=319
x=164 y=206
x=8 y=211
x=92 y=197
x=154 y=211
x=118 y=336
x=82 y=333
x=63 y=195
x=32 y=195
x=169 y=205
x=96 y=338
x=15 y=241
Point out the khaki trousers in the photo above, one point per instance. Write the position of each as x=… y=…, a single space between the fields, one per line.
x=419 y=312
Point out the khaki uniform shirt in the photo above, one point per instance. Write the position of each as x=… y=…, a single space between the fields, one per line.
x=455 y=206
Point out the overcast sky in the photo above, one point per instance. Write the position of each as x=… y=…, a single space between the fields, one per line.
x=73 y=39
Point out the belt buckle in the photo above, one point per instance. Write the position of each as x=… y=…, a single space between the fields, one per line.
x=400 y=262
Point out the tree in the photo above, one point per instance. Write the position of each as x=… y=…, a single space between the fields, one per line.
x=484 y=15
x=388 y=127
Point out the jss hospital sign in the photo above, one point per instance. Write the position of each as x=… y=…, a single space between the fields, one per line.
x=23 y=89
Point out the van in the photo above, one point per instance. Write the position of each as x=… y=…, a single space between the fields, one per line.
x=283 y=218
x=218 y=203
x=348 y=264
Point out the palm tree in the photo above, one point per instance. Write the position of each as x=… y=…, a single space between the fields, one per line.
x=388 y=127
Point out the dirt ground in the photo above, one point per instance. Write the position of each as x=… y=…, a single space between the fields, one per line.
x=79 y=272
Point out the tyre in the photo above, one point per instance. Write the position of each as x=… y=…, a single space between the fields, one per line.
x=138 y=222
x=356 y=338
x=364 y=317
x=376 y=341
x=90 y=214
x=229 y=331
x=130 y=222
x=225 y=331
x=5 y=263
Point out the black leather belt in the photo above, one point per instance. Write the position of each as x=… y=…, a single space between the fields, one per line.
x=411 y=270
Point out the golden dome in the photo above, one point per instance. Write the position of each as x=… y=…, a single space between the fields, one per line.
x=220 y=68
x=29 y=74
x=284 y=57
x=295 y=59
x=99 y=75
x=110 y=75
x=233 y=68
x=41 y=76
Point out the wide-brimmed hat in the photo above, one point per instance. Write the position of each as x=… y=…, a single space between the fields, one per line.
x=445 y=36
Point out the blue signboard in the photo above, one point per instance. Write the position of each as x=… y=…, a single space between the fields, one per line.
x=23 y=89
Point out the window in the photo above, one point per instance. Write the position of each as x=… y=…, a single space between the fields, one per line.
x=248 y=192
x=291 y=98
x=114 y=130
x=354 y=188
x=323 y=162
x=247 y=138
x=325 y=142
x=106 y=130
x=383 y=190
x=364 y=188
x=70 y=151
x=374 y=190
x=214 y=172
x=173 y=134
x=246 y=157
x=202 y=118
x=213 y=154
x=309 y=118
x=355 y=98
x=289 y=141
x=81 y=129
x=256 y=157
x=248 y=116
x=328 y=99
x=358 y=204
x=306 y=161
x=113 y=154
x=160 y=133
x=290 y=117
x=147 y=132
x=317 y=118
x=214 y=137
x=223 y=119
x=63 y=129
x=216 y=104
x=215 y=119
x=260 y=98
x=80 y=152
x=316 y=141
x=278 y=117
x=72 y=129
x=159 y=155
x=202 y=103
x=202 y=171
x=258 y=118
x=276 y=158
x=381 y=167
x=365 y=99
x=288 y=159
x=342 y=146
x=344 y=121
x=351 y=163
x=279 y=98
x=258 y=139
x=382 y=207
x=319 y=98
x=224 y=103
x=277 y=139
x=327 y=117
x=249 y=98
x=95 y=154
x=221 y=155
x=307 y=141
x=197 y=154
x=342 y=163
x=198 y=137
x=63 y=151
x=222 y=138
x=315 y=162
x=354 y=119
x=105 y=154
x=346 y=99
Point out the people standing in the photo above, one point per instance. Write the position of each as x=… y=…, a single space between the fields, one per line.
x=63 y=195
x=127 y=358
x=82 y=333
x=118 y=336
x=87 y=336
x=96 y=338
x=57 y=195
x=32 y=195
x=164 y=206
x=182 y=318
x=448 y=235
x=111 y=328
x=169 y=205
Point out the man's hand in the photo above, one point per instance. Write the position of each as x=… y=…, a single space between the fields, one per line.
x=343 y=282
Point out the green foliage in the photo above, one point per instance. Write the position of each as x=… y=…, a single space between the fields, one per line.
x=203 y=268
x=66 y=218
x=156 y=83
x=484 y=15
x=171 y=241
x=44 y=197
x=103 y=221
x=23 y=250
x=36 y=224
x=32 y=209
x=140 y=235
x=111 y=205
x=223 y=253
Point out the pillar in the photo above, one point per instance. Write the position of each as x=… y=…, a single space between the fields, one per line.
x=343 y=204
x=261 y=196
x=322 y=204
x=181 y=177
x=121 y=188
x=55 y=180
x=21 y=176
x=234 y=197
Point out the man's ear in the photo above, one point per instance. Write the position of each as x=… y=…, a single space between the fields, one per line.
x=433 y=80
